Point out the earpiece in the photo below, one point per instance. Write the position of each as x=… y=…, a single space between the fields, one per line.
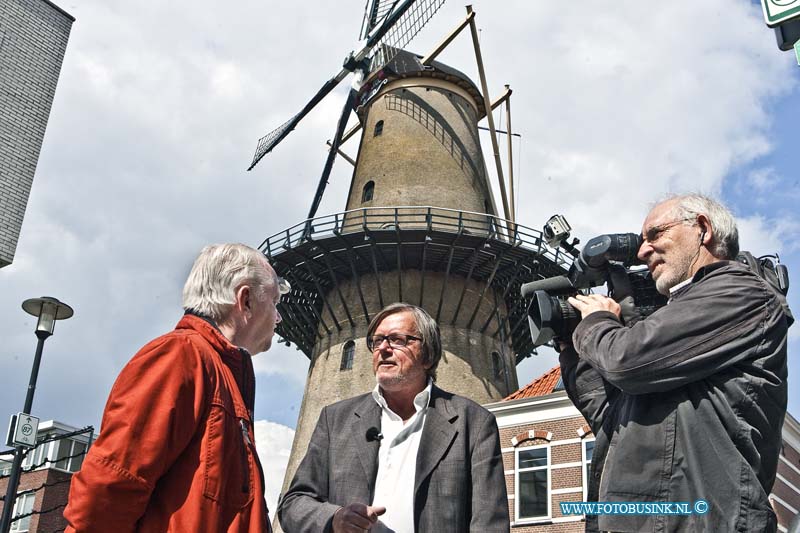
x=702 y=236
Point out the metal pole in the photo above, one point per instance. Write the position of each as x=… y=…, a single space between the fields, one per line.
x=510 y=160
x=428 y=59
x=19 y=451
x=11 y=491
x=490 y=119
x=37 y=359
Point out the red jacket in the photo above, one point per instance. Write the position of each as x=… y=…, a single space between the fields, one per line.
x=175 y=451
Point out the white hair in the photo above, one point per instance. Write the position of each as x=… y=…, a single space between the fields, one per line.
x=726 y=236
x=218 y=272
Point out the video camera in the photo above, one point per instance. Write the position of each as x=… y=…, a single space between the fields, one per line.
x=608 y=259
x=604 y=259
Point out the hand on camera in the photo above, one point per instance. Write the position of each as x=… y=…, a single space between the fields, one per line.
x=588 y=304
x=629 y=312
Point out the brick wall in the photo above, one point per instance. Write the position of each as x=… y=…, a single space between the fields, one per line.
x=562 y=527
x=33 y=39
x=565 y=448
x=54 y=499
x=566 y=438
x=561 y=429
x=785 y=494
x=52 y=493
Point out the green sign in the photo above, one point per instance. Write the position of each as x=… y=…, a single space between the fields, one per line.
x=778 y=11
x=797 y=51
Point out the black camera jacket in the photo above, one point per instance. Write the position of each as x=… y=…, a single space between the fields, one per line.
x=687 y=404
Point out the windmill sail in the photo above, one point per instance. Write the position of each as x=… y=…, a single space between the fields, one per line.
x=337 y=139
x=271 y=139
x=404 y=28
x=375 y=12
x=391 y=22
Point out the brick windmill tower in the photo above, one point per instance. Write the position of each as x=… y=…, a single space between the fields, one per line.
x=420 y=225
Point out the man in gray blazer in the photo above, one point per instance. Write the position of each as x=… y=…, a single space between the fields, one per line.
x=406 y=457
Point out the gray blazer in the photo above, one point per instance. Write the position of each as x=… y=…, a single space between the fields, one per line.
x=459 y=480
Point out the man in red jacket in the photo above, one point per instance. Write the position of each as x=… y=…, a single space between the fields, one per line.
x=176 y=451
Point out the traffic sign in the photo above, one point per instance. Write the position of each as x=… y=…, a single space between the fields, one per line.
x=778 y=11
x=797 y=51
x=23 y=430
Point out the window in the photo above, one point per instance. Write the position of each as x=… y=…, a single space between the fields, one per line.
x=79 y=451
x=369 y=190
x=378 y=128
x=497 y=365
x=348 y=352
x=70 y=455
x=64 y=454
x=588 y=451
x=37 y=457
x=533 y=483
x=23 y=505
x=5 y=467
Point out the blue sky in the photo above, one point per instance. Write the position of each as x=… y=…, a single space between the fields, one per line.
x=159 y=107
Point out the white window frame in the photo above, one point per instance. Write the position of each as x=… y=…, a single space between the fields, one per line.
x=49 y=451
x=55 y=460
x=585 y=466
x=6 y=470
x=518 y=491
x=19 y=508
x=35 y=458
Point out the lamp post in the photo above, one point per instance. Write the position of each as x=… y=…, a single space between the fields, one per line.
x=48 y=310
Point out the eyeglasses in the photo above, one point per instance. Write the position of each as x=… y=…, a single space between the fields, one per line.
x=654 y=233
x=395 y=340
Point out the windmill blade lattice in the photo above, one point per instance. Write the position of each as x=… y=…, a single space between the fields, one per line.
x=375 y=12
x=268 y=141
x=391 y=24
x=271 y=139
x=402 y=32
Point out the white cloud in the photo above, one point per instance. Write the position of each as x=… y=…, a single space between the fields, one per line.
x=758 y=236
x=763 y=179
x=274 y=443
x=286 y=362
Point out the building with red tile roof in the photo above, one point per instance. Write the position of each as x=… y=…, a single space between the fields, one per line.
x=547 y=383
x=547 y=447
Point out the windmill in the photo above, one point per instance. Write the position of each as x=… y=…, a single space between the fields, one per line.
x=388 y=25
x=420 y=225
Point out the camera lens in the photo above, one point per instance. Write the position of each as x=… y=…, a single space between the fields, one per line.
x=551 y=316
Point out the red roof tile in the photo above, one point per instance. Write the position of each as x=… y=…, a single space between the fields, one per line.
x=544 y=384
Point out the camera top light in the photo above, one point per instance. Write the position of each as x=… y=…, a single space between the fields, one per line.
x=556 y=230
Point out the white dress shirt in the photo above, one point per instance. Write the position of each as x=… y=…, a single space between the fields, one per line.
x=397 y=463
x=677 y=287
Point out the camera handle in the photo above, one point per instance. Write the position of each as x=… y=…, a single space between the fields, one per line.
x=621 y=290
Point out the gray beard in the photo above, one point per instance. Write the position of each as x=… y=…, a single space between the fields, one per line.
x=393 y=380
x=673 y=275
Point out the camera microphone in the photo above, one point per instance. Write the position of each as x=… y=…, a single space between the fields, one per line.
x=554 y=284
x=374 y=434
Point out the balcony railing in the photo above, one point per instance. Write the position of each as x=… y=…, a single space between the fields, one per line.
x=402 y=218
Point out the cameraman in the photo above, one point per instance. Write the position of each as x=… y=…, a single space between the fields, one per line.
x=687 y=404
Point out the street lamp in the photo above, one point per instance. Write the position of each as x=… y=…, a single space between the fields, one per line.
x=48 y=310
